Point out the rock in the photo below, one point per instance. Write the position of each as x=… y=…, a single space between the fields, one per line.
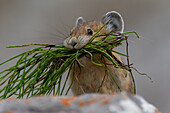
x=87 y=103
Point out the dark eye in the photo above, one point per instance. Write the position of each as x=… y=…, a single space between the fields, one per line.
x=89 y=32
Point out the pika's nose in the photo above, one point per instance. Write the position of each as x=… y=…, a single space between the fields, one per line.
x=73 y=43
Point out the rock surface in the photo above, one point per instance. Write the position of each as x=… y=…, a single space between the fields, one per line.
x=87 y=103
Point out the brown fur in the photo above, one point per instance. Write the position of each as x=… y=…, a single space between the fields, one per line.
x=88 y=79
x=82 y=28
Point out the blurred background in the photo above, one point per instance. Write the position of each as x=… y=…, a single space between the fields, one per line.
x=48 y=21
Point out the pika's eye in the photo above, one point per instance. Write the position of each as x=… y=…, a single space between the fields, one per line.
x=89 y=32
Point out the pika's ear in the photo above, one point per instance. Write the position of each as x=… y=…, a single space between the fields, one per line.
x=79 y=21
x=116 y=24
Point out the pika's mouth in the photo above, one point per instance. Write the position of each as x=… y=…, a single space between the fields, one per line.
x=76 y=43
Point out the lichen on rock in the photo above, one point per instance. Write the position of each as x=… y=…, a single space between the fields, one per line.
x=87 y=103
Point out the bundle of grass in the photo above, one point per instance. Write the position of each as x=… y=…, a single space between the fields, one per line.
x=40 y=70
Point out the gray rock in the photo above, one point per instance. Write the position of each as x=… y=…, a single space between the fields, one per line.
x=87 y=103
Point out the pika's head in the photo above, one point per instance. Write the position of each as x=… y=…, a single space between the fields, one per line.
x=83 y=31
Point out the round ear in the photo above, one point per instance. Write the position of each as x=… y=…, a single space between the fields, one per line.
x=116 y=23
x=79 y=21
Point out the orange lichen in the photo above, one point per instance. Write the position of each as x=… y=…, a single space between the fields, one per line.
x=8 y=111
x=112 y=95
x=66 y=101
x=81 y=103
x=27 y=101
x=106 y=101
x=14 y=99
x=2 y=100
x=157 y=111
x=91 y=101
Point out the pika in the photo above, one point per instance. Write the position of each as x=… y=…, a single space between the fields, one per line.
x=88 y=78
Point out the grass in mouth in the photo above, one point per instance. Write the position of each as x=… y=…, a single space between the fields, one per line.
x=39 y=71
